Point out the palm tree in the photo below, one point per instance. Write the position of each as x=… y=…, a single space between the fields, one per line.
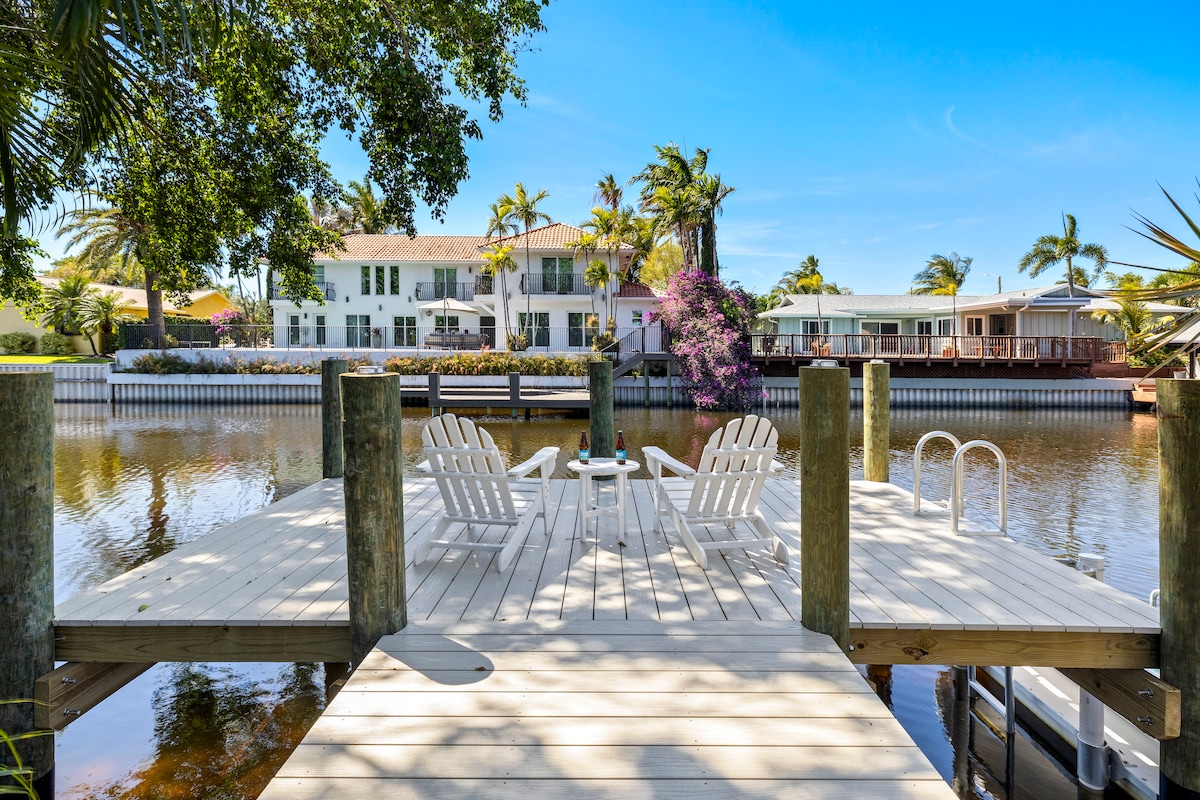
x=641 y=234
x=100 y=313
x=942 y=275
x=499 y=262
x=498 y=227
x=607 y=225
x=108 y=234
x=1049 y=250
x=608 y=191
x=521 y=207
x=805 y=279
x=72 y=85
x=710 y=192
x=1134 y=319
x=668 y=192
x=63 y=304
x=581 y=248
x=598 y=275
x=331 y=216
x=367 y=210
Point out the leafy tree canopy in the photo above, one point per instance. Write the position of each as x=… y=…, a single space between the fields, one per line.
x=213 y=153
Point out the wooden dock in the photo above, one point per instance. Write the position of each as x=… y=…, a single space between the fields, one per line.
x=615 y=668
x=594 y=709
x=272 y=587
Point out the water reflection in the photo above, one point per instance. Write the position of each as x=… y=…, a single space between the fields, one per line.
x=135 y=482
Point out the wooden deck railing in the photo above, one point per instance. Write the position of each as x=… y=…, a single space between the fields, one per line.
x=855 y=346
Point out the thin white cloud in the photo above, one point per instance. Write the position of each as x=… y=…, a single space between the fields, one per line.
x=928 y=226
x=950 y=126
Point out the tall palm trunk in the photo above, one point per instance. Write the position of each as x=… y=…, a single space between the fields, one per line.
x=154 y=311
x=528 y=290
x=1073 y=323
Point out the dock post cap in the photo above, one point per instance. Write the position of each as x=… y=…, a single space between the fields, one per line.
x=370 y=369
x=823 y=362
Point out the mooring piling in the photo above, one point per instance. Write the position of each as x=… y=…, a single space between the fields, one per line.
x=26 y=559
x=331 y=416
x=374 y=508
x=825 y=501
x=1179 y=542
x=602 y=433
x=876 y=420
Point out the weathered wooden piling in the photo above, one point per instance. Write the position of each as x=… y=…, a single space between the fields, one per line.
x=670 y=385
x=1179 y=541
x=876 y=421
x=26 y=557
x=435 y=391
x=331 y=416
x=602 y=434
x=374 y=508
x=825 y=501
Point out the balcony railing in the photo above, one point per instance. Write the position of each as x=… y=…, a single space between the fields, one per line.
x=554 y=283
x=275 y=293
x=906 y=346
x=485 y=284
x=444 y=290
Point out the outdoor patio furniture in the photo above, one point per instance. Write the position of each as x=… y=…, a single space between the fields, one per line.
x=722 y=491
x=478 y=491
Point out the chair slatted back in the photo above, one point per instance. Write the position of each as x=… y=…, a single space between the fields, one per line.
x=469 y=470
x=733 y=468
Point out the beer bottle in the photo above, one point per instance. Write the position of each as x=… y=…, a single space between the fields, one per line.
x=583 y=448
x=620 y=447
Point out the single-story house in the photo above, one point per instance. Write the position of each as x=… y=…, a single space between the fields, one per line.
x=201 y=304
x=1025 y=327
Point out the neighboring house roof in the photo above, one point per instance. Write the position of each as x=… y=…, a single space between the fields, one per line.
x=136 y=297
x=877 y=305
x=398 y=247
x=548 y=237
x=631 y=289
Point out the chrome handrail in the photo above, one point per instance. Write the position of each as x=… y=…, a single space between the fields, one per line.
x=957 y=491
x=917 y=464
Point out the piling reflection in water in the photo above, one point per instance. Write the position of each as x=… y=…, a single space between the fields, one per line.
x=134 y=482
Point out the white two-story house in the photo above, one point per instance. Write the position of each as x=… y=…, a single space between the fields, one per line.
x=393 y=291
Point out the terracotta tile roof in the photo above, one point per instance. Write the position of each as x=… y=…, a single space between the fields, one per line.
x=398 y=247
x=548 y=237
x=631 y=289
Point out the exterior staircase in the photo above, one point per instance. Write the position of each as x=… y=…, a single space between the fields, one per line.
x=635 y=347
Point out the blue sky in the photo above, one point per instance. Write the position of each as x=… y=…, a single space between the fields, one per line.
x=862 y=133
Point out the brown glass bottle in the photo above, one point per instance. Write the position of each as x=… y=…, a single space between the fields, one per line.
x=584 y=453
x=620 y=447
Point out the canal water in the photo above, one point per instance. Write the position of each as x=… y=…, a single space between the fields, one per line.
x=133 y=483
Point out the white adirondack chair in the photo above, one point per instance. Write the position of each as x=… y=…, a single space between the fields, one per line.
x=722 y=491
x=478 y=491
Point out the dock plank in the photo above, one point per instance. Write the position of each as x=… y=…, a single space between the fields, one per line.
x=600 y=708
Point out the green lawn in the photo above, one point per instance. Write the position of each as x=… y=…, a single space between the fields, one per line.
x=39 y=359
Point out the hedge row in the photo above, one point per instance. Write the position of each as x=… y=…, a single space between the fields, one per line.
x=459 y=364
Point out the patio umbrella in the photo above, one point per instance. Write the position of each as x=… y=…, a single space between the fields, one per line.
x=446 y=305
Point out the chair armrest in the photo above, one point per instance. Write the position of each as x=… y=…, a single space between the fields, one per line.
x=775 y=467
x=424 y=466
x=547 y=455
x=657 y=454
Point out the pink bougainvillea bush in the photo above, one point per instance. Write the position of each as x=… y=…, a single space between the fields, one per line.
x=709 y=324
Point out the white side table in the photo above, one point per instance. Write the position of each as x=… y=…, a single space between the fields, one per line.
x=589 y=509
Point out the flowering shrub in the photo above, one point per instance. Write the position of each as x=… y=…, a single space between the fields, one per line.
x=709 y=324
x=231 y=326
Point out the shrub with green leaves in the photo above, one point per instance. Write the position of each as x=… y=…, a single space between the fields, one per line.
x=17 y=342
x=56 y=344
x=487 y=364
